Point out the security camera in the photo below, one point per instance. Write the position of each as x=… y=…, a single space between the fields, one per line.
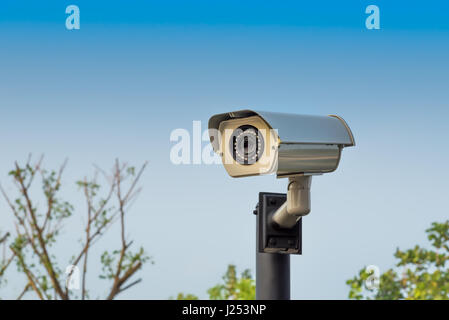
x=289 y=145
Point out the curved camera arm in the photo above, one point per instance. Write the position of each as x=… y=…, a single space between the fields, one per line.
x=297 y=204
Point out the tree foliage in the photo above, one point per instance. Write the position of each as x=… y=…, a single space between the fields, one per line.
x=233 y=287
x=37 y=228
x=188 y=296
x=420 y=273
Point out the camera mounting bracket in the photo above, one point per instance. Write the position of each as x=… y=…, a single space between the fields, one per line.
x=272 y=238
x=297 y=204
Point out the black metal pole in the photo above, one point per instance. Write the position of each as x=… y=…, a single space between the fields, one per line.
x=272 y=274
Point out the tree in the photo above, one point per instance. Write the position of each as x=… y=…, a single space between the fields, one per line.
x=232 y=288
x=188 y=296
x=38 y=228
x=420 y=273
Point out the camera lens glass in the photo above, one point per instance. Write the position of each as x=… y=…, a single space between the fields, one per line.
x=247 y=145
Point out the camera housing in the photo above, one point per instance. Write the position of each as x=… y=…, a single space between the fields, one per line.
x=258 y=142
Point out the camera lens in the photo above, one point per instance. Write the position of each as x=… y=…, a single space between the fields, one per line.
x=247 y=145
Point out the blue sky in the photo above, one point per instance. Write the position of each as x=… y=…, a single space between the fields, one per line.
x=137 y=70
x=321 y=14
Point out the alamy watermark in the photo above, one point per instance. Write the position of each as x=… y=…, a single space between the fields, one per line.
x=373 y=20
x=73 y=21
x=194 y=146
x=189 y=147
x=373 y=280
x=72 y=281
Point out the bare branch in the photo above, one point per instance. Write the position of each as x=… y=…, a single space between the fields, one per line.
x=89 y=219
x=3 y=239
x=136 y=180
x=48 y=265
x=119 y=280
x=37 y=166
x=6 y=265
x=116 y=289
x=25 y=290
x=38 y=229
x=50 y=198
x=29 y=274
x=130 y=285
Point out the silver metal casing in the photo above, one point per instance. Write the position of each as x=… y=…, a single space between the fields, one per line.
x=306 y=144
